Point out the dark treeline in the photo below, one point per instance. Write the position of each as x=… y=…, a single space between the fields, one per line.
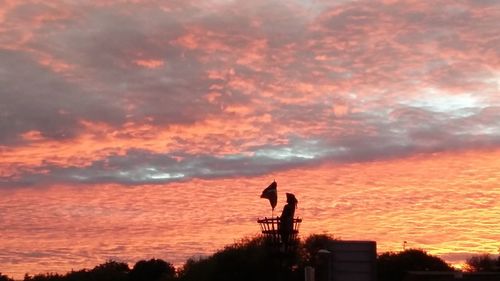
x=252 y=260
x=154 y=270
x=483 y=263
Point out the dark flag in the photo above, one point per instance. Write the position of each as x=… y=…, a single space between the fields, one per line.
x=271 y=193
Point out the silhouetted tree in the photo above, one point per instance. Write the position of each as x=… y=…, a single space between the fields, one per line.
x=394 y=266
x=5 y=278
x=483 y=262
x=249 y=260
x=80 y=275
x=44 y=277
x=152 y=270
x=254 y=259
x=312 y=244
x=110 y=271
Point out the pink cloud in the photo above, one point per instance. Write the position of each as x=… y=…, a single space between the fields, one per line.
x=240 y=78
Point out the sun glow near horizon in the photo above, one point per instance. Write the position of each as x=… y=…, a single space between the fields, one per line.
x=349 y=201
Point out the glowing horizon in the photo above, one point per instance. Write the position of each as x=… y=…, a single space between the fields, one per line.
x=395 y=104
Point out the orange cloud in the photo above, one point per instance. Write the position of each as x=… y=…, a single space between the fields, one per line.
x=152 y=64
x=451 y=213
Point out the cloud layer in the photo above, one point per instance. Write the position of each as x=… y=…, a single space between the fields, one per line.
x=134 y=93
x=445 y=203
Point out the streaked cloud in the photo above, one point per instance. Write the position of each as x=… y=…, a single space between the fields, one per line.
x=445 y=203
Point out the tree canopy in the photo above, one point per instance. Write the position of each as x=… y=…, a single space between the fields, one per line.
x=250 y=259
x=5 y=278
x=152 y=270
x=254 y=259
x=393 y=266
x=312 y=244
x=483 y=262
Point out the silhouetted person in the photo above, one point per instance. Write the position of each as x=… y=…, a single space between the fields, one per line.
x=286 y=219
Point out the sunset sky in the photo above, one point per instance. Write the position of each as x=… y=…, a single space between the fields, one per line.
x=139 y=129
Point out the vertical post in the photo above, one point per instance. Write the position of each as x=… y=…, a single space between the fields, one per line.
x=324 y=272
x=309 y=273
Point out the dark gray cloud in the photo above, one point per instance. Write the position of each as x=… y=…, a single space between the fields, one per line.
x=34 y=98
x=408 y=131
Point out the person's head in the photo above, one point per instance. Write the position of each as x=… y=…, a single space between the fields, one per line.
x=290 y=199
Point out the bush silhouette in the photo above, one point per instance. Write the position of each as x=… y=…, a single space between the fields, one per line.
x=108 y=271
x=256 y=259
x=483 y=262
x=152 y=270
x=44 y=277
x=312 y=244
x=5 y=278
x=248 y=260
x=393 y=266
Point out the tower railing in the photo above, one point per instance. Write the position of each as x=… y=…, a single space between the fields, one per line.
x=270 y=228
